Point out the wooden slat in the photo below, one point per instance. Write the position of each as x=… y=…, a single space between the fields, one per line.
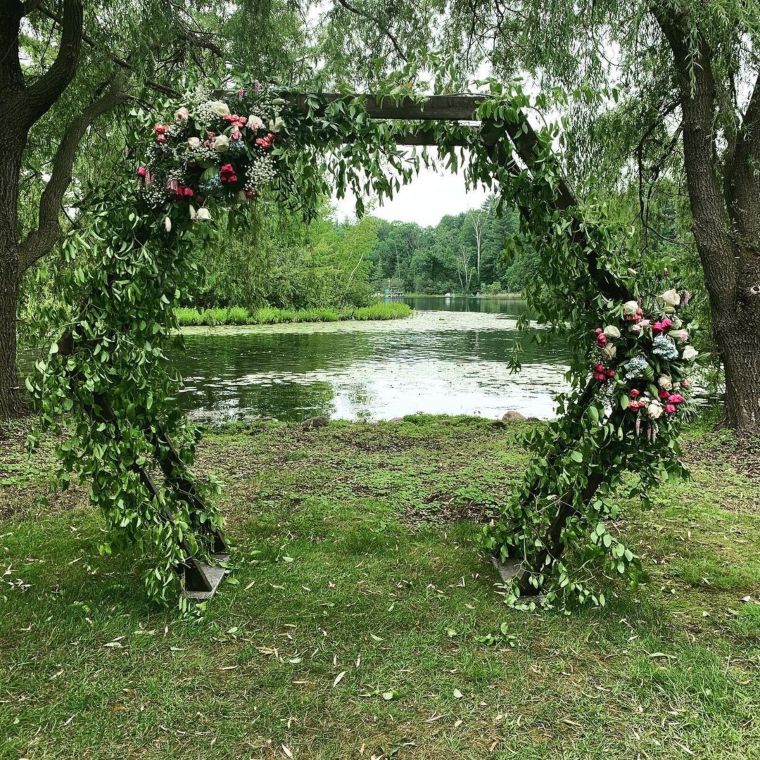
x=435 y=107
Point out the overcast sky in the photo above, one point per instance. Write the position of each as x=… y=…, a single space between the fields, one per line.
x=427 y=198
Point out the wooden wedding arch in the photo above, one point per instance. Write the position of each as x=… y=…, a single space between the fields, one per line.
x=520 y=153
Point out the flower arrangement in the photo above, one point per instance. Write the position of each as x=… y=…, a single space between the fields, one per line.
x=651 y=354
x=215 y=149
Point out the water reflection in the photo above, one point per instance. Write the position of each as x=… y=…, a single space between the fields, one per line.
x=449 y=358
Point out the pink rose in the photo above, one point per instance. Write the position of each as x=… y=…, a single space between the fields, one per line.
x=670 y=409
x=142 y=171
x=676 y=398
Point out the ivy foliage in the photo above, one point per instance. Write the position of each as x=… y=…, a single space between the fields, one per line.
x=107 y=383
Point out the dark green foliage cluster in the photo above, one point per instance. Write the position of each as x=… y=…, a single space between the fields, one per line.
x=444 y=258
x=108 y=375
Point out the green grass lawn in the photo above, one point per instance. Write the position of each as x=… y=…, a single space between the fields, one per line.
x=361 y=621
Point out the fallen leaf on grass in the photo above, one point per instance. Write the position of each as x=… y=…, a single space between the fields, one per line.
x=339 y=678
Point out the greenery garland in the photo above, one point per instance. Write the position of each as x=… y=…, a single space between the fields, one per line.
x=109 y=372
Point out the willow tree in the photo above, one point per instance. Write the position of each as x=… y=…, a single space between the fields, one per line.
x=689 y=110
x=64 y=67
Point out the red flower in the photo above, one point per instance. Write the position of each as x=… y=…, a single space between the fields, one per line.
x=663 y=394
x=670 y=408
x=676 y=398
x=227 y=173
x=611 y=373
x=142 y=171
x=601 y=340
x=635 y=393
x=159 y=129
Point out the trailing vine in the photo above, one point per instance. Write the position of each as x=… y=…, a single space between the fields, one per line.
x=106 y=382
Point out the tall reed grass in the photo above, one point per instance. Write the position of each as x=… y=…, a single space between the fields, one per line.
x=237 y=315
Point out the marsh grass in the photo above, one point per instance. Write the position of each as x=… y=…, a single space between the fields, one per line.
x=270 y=316
x=349 y=559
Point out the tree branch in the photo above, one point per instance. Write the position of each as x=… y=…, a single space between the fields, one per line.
x=120 y=62
x=48 y=88
x=384 y=29
x=743 y=182
x=40 y=241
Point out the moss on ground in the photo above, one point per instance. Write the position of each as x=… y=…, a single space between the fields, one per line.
x=356 y=554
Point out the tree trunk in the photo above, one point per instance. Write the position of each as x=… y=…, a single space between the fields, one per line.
x=12 y=398
x=12 y=141
x=739 y=346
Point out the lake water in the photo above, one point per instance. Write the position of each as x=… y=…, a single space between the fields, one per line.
x=450 y=357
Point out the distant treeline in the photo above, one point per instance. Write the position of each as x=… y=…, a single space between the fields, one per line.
x=467 y=253
x=288 y=264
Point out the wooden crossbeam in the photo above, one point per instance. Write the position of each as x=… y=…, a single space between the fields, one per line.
x=432 y=108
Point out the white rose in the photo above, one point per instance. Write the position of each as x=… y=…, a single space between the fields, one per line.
x=194 y=143
x=219 y=107
x=255 y=123
x=670 y=298
x=630 y=308
x=665 y=382
x=611 y=331
x=689 y=353
x=609 y=351
x=201 y=215
x=654 y=409
x=181 y=115
x=221 y=143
